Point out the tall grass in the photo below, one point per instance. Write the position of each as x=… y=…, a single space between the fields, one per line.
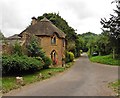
x=105 y=60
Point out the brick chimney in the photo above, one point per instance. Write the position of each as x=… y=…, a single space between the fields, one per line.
x=34 y=21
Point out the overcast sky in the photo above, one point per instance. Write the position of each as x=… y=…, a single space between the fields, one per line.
x=82 y=15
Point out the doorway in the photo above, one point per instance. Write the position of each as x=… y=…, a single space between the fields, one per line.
x=54 y=57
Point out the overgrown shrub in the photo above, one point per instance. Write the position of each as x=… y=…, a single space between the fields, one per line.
x=69 y=57
x=34 y=50
x=17 y=49
x=47 y=62
x=15 y=64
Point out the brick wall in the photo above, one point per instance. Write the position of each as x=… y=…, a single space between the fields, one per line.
x=45 y=43
x=48 y=48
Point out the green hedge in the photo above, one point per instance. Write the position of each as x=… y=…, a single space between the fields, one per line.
x=105 y=60
x=14 y=64
x=69 y=57
x=47 y=62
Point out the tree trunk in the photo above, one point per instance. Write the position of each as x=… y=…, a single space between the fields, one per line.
x=90 y=50
x=99 y=53
x=113 y=53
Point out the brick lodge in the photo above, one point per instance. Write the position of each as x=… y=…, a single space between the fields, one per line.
x=49 y=37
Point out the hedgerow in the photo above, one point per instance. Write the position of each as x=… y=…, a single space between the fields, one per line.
x=14 y=64
x=69 y=57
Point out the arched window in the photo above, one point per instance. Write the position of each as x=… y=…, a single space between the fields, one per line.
x=53 y=40
x=54 y=57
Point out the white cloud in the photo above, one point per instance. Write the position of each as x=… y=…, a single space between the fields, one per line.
x=83 y=15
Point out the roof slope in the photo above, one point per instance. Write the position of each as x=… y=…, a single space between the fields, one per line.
x=13 y=37
x=44 y=27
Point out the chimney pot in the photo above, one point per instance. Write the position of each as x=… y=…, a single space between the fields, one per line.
x=34 y=21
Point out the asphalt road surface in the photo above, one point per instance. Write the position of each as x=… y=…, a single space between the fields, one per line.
x=84 y=78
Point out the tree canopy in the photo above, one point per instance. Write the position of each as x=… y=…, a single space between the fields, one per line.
x=71 y=35
x=112 y=26
x=59 y=22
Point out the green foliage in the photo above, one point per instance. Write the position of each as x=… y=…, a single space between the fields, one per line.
x=71 y=36
x=59 y=22
x=87 y=40
x=95 y=43
x=69 y=57
x=115 y=86
x=105 y=60
x=47 y=62
x=71 y=46
x=81 y=51
x=79 y=44
x=14 y=64
x=34 y=49
x=91 y=44
x=9 y=83
x=103 y=44
x=112 y=27
x=17 y=49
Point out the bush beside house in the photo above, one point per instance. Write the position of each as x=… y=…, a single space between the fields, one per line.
x=17 y=65
x=69 y=57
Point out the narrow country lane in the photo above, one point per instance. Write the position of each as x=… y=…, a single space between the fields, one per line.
x=84 y=78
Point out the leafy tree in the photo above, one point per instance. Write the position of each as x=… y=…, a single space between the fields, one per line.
x=71 y=46
x=34 y=50
x=79 y=43
x=86 y=37
x=59 y=22
x=103 y=44
x=112 y=26
x=91 y=44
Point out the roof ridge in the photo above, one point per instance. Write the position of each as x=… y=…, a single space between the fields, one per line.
x=45 y=19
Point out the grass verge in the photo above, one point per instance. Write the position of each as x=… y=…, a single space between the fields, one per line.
x=115 y=86
x=105 y=60
x=9 y=82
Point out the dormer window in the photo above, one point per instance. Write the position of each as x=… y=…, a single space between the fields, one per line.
x=53 y=40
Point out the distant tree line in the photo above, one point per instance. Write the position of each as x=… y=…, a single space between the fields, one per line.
x=95 y=43
x=103 y=44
